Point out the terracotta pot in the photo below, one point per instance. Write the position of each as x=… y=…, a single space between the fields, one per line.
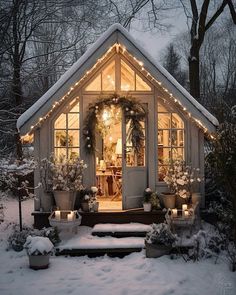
x=168 y=200
x=155 y=251
x=65 y=200
x=147 y=207
x=85 y=206
x=39 y=261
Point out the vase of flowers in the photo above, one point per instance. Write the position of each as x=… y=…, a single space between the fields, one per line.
x=181 y=179
x=39 y=250
x=67 y=178
x=159 y=241
x=147 y=206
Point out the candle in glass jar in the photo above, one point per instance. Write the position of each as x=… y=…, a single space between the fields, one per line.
x=184 y=207
x=57 y=215
x=186 y=213
x=174 y=212
x=69 y=217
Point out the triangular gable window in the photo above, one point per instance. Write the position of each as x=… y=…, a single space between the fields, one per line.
x=105 y=81
x=131 y=80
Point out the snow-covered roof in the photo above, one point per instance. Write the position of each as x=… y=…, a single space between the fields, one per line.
x=115 y=34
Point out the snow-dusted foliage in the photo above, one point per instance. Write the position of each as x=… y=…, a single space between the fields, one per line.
x=18 y=238
x=38 y=245
x=160 y=234
x=17 y=175
x=180 y=179
x=67 y=174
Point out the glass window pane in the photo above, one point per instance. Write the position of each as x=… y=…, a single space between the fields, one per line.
x=95 y=85
x=60 y=153
x=127 y=77
x=161 y=108
x=73 y=121
x=164 y=121
x=177 y=153
x=164 y=156
x=73 y=138
x=177 y=122
x=75 y=108
x=73 y=153
x=108 y=77
x=60 y=122
x=141 y=85
x=177 y=138
x=162 y=170
x=132 y=158
x=60 y=138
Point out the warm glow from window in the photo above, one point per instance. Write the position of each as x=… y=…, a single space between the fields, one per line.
x=170 y=139
x=127 y=77
x=66 y=133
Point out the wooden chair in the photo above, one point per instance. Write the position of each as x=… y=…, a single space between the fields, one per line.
x=117 y=178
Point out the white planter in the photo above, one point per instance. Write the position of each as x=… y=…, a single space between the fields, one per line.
x=147 y=207
x=65 y=200
x=39 y=261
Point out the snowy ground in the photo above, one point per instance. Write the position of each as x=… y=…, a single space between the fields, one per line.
x=133 y=274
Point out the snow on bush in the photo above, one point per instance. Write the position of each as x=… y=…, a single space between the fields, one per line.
x=160 y=234
x=38 y=245
x=18 y=238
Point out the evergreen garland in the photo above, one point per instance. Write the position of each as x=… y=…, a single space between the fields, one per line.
x=132 y=110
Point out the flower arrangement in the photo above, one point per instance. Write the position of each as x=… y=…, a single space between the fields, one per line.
x=38 y=246
x=180 y=179
x=67 y=175
x=160 y=234
x=147 y=195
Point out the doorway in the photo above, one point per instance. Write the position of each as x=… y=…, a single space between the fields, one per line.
x=109 y=159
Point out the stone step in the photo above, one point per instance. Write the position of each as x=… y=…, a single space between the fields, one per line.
x=120 y=230
x=84 y=243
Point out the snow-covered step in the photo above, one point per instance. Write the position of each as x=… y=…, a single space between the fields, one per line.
x=84 y=243
x=121 y=230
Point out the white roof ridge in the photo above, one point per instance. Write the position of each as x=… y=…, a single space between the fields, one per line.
x=72 y=70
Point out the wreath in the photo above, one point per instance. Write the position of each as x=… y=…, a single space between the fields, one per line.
x=133 y=112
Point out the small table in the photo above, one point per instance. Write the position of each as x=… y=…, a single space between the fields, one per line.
x=101 y=180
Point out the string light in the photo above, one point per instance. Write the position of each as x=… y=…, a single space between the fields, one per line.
x=118 y=48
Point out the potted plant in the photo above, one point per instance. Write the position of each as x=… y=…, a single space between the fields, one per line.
x=45 y=174
x=39 y=250
x=159 y=240
x=147 y=206
x=93 y=203
x=180 y=179
x=67 y=178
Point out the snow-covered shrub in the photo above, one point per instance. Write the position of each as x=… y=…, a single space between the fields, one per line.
x=17 y=239
x=160 y=234
x=38 y=245
x=17 y=176
x=221 y=174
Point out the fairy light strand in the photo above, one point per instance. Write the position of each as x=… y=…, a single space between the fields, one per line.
x=117 y=48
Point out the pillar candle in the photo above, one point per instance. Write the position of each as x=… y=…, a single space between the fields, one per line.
x=184 y=207
x=186 y=213
x=57 y=215
x=174 y=212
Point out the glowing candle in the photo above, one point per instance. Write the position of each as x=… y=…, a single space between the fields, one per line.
x=57 y=215
x=184 y=207
x=186 y=213
x=174 y=212
x=70 y=216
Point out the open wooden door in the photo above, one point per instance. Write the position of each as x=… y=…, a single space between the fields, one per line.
x=134 y=172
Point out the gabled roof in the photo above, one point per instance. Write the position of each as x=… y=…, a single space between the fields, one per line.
x=115 y=34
